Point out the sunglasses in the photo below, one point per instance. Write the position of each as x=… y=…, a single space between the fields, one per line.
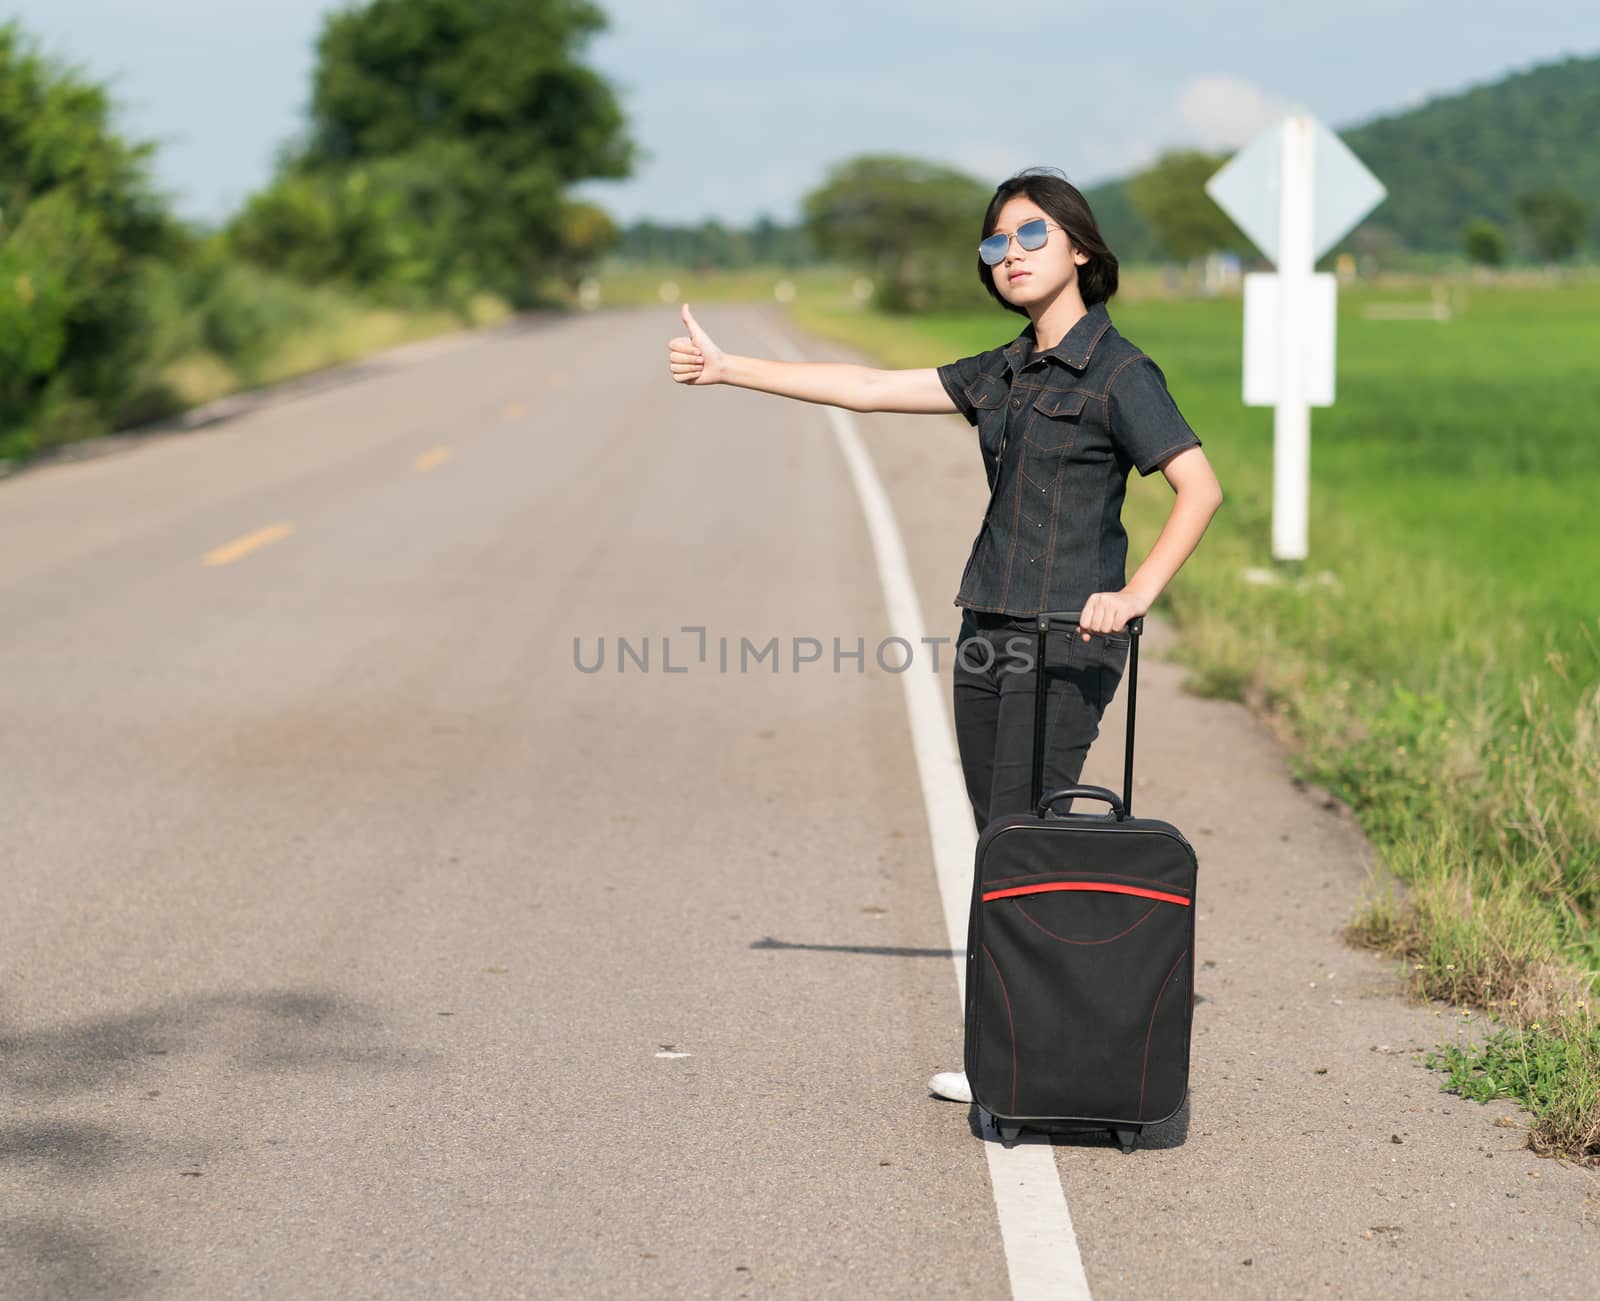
x=1031 y=235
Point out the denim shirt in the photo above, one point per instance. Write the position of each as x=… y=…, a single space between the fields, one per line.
x=1059 y=430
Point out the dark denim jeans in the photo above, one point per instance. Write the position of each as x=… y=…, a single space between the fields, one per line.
x=994 y=702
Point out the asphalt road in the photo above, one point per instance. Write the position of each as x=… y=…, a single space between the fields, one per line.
x=357 y=942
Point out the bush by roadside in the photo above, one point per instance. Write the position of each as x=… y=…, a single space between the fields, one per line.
x=79 y=224
x=113 y=313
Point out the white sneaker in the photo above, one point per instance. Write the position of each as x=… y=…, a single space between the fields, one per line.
x=952 y=1085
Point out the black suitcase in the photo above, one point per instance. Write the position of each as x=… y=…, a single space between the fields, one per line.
x=1080 y=954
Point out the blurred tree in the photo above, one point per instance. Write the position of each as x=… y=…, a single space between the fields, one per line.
x=78 y=220
x=1129 y=236
x=1465 y=155
x=587 y=233
x=1170 y=197
x=466 y=118
x=291 y=226
x=718 y=246
x=763 y=239
x=914 y=225
x=1555 y=219
x=708 y=244
x=1484 y=242
x=1376 y=245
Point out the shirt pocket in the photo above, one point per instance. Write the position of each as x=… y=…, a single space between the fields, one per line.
x=987 y=394
x=1054 y=422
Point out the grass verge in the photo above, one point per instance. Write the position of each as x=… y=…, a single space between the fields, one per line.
x=219 y=327
x=340 y=330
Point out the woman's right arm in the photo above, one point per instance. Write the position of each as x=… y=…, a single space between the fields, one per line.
x=840 y=384
x=696 y=359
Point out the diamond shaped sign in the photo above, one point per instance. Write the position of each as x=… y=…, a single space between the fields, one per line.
x=1249 y=189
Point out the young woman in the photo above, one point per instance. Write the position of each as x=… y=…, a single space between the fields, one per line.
x=1063 y=412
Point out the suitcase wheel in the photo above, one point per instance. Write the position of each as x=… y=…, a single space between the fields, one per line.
x=1125 y=1138
x=1009 y=1133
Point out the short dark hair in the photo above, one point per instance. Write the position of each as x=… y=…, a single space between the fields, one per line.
x=1064 y=202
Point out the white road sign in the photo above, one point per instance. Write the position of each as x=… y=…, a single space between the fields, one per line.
x=1250 y=187
x=1295 y=190
x=1263 y=349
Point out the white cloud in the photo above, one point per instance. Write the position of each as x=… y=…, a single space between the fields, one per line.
x=1223 y=112
x=989 y=161
x=1214 y=112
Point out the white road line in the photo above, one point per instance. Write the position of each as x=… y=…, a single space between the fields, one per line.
x=1035 y=1224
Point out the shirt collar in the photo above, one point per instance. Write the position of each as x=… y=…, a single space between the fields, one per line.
x=1075 y=348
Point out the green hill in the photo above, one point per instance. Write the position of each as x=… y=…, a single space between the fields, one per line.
x=1455 y=158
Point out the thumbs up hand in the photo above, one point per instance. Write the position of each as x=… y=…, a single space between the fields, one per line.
x=694 y=358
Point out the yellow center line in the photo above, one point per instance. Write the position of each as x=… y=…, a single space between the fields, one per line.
x=428 y=460
x=231 y=551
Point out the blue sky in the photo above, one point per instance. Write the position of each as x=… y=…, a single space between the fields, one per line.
x=741 y=107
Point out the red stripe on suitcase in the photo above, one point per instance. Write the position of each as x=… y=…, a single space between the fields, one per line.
x=1101 y=887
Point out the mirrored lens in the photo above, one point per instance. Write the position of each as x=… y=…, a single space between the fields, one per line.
x=1032 y=234
x=993 y=249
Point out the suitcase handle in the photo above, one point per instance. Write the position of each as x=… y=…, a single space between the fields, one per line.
x=1133 y=628
x=1118 y=808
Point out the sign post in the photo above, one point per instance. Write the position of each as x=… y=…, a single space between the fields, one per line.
x=1295 y=190
x=1291 y=420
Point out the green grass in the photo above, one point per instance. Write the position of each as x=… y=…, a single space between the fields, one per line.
x=336 y=328
x=1552 y=1069
x=222 y=327
x=1435 y=662
x=351 y=330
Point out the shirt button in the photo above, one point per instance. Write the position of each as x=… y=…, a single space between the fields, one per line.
x=1016 y=403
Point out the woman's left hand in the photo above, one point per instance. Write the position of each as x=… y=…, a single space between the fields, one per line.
x=1110 y=611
